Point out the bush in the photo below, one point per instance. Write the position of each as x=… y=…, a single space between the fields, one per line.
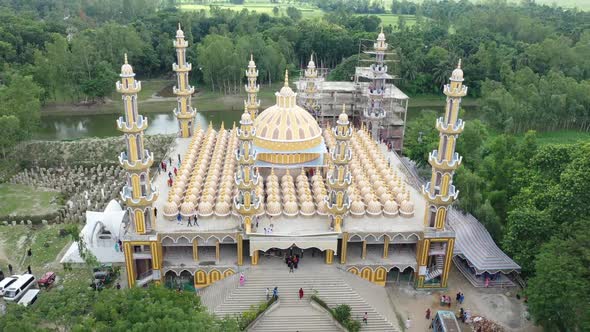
x=342 y=313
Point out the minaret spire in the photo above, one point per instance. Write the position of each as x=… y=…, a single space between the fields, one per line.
x=339 y=178
x=286 y=77
x=440 y=192
x=252 y=103
x=309 y=87
x=138 y=193
x=374 y=111
x=184 y=112
x=246 y=201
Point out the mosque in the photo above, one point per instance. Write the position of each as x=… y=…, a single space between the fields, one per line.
x=278 y=182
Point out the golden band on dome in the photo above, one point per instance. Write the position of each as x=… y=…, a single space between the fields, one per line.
x=288 y=146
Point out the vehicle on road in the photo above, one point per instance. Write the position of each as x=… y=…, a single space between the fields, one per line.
x=15 y=291
x=29 y=298
x=47 y=279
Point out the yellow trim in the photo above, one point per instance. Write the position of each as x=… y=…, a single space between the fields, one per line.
x=127 y=249
x=240 y=250
x=364 y=253
x=217 y=251
x=448 y=259
x=135 y=189
x=329 y=256
x=385 y=246
x=214 y=276
x=254 y=257
x=367 y=273
x=343 y=248
x=132 y=155
x=289 y=145
x=139 y=222
x=195 y=250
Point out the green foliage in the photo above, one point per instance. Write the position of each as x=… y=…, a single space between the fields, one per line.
x=248 y=316
x=559 y=296
x=342 y=313
x=294 y=13
x=78 y=308
x=421 y=137
x=19 y=110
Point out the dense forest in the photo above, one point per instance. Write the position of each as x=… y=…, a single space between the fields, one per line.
x=528 y=65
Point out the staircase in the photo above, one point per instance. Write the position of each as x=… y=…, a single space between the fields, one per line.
x=437 y=269
x=294 y=314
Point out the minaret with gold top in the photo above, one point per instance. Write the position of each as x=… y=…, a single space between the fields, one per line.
x=252 y=103
x=184 y=112
x=339 y=177
x=437 y=245
x=138 y=194
x=246 y=202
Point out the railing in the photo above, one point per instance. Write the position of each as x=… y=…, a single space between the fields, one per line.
x=144 y=277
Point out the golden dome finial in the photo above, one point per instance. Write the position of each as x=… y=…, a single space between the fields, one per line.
x=222 y=126
x=210 y=124
x=343 y=108
x=251 y=56
x=286 y=77
x=126 y=59
x=179 y=28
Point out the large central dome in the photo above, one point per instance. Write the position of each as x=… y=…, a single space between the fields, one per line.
x=286 y=128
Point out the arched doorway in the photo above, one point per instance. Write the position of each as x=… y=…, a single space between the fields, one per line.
x=397 y=276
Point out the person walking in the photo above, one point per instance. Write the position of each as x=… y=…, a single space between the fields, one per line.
x=267 y=294
x=155 y=212
x=300 y=293
x=428 y=314
x=189 y=222
x=178 y=219
x=195 y=221
x=275 y=293
x=290 y=267
x=10 y=269
x=120 y=245
x=29 y=269
x=365 y=318
x=29 y=252
x=118 y=285
x=175 y=171
x=242 y=279
x=170 y=160
x=179 y=158
x=461 y=298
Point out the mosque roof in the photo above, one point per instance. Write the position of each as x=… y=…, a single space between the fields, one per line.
x=286 y=126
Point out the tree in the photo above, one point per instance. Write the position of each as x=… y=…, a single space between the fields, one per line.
x=421 y=138
x=527 y=229
x=294 y=13
x=21 y=98
x=559 y=293
x=9 y=127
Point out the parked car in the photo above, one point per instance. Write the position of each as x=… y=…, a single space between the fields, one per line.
x=47 y=279
x=29 y=298
x=5 y=283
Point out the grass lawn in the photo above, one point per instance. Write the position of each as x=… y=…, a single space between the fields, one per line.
x=562 y=137
x=44 y=241
x=25 y=200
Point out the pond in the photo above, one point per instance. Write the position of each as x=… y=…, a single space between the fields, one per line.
x=60 y=127
x=72 y=127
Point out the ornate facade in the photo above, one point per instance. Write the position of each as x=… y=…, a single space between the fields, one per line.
x=279 y=183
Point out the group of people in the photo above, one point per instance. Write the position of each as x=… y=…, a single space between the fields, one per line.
x=445 y=301
x=164 y=167
x=191 y=221
x=275 y=293
x=292 y=262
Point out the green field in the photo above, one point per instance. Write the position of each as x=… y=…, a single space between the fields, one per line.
x=24 y=200
x=307 y=12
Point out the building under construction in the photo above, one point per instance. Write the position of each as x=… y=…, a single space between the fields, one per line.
x=370 y=98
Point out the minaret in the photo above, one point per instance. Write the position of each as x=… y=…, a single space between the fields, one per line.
x=374 y=111
x=138 y=194
x=311 y=92
x=252 y=103
x=339 y=178
x=184 y=112
x=246 y=202
x=440 y=192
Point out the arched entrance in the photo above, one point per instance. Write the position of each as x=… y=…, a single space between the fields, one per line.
x=400 y=276
x=183 y=281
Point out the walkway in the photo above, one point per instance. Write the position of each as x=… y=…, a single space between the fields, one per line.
x=329 y=282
